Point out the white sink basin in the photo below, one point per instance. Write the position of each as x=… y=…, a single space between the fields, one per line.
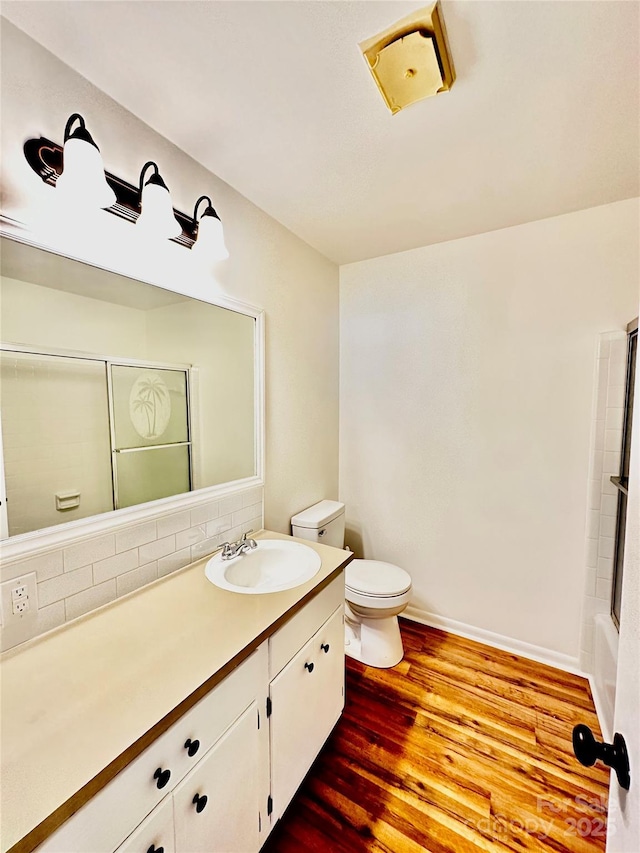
x=273 y=566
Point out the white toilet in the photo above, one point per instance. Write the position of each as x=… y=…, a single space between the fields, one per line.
x=375 y=592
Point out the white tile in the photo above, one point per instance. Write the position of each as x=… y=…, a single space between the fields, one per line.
x=593 y=524
x=603 y=589
x=618 y=352
x=174 y=562
x=204 y=548
x=219 y=526
x=586 y=636
x=605 y=567
x=89 y=551
x=104 y=570
x=611 y=463
x=586 y=662
x=605 y=547
x=243 y=515
x=46 y=566
x=252 y=496
x=230 y=504
x=64 y=585
x=204 y=513
x=254 y=524
x=601 y=401
x=599 y=434
x=173 y=523
x=607 y=525
x=595 y=496
x=612 y=439
x=159 y=548
x=51 y=617
x=609 y=505
x=132 y=537
x=592 y=553
x=614 y=419
x=90 y=599
x=189 y=537
x=603 y=348
x=596 y=463
x=615 y=397
x=590 y=585
x=137 y=578
x=607 y=486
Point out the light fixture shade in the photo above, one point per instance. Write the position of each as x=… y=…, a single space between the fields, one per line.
x=157 y=217
x=83 y=181
x=210 y=239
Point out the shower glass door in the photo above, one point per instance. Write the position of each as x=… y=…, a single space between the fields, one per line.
x=150 y=432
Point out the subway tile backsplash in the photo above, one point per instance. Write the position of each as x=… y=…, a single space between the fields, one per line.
x=74 y=580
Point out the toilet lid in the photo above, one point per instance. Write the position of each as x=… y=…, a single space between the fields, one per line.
x=373 y=577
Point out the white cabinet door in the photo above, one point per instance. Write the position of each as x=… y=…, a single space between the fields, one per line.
x=216 y=807
x=155 y=834
x=307 y=698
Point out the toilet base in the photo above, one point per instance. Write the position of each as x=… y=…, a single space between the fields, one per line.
x=374 y=642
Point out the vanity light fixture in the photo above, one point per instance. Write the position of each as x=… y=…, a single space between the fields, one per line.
x=77 y=170
x=83 y=179
x=209 y=232
x=156 y=211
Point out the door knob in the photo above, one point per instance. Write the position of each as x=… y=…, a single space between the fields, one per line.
x=588 y=750
x=192 y=746
x=325 y=647
x=154 y=849
x=309 y=666
x=162 y=776
x=200 y=802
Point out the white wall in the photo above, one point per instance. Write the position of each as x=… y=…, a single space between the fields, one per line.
x=466 y=392
x=269 y=267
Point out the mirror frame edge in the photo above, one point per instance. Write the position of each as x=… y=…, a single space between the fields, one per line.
x=37 y=542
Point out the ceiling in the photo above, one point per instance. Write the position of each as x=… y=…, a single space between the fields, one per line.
x=276 y=99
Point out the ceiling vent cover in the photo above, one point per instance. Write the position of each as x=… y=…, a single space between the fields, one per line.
x=410 y=60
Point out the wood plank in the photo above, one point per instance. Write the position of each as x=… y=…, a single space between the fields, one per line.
x=460 y=748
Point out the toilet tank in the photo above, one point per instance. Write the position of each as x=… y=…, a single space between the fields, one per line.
x=322 y=522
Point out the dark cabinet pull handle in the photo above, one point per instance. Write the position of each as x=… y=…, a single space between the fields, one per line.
x=588 y=750
x=192 y=746
x=325 y=647
x=309 y=666
x=199 y=802
x=162 y=776
x=154 y=849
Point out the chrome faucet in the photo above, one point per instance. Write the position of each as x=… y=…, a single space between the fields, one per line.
x=233 y=549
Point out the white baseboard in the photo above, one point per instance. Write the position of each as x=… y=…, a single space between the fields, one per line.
x=497 y=641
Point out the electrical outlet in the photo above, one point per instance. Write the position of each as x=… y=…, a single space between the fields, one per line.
x=19 y=599
x=20 y=606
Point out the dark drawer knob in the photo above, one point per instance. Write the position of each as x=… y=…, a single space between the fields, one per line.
x=325 y=647
x=588 y=750
x=162 y=776
x=154 y=849
x=309 y=666
x=192 y=746
x=199 y=802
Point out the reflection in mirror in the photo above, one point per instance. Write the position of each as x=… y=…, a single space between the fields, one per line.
x=115 y=392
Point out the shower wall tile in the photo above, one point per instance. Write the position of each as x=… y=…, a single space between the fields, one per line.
x=97 y=570
x=606 y=443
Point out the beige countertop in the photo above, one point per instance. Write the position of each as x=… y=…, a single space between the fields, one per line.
x=76 y=701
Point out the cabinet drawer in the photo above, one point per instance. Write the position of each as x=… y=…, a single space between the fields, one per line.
x=289 y=639
x=106 y=820
x=155 y=833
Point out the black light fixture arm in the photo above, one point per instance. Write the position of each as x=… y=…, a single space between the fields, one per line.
x=209 y=211
x=80 y=132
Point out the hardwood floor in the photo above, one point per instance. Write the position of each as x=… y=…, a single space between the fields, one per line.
x=459 y=748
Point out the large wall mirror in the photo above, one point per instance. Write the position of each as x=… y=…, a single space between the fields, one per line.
x=115 y=392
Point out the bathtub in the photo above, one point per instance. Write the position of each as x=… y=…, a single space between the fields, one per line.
x=605 y=665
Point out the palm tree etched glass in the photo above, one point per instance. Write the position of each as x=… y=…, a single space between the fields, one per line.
x=151 y=445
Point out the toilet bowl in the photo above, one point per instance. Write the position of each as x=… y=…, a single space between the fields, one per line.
x=375 y=591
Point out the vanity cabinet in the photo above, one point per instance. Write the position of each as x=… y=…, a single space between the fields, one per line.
x=219 y=778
